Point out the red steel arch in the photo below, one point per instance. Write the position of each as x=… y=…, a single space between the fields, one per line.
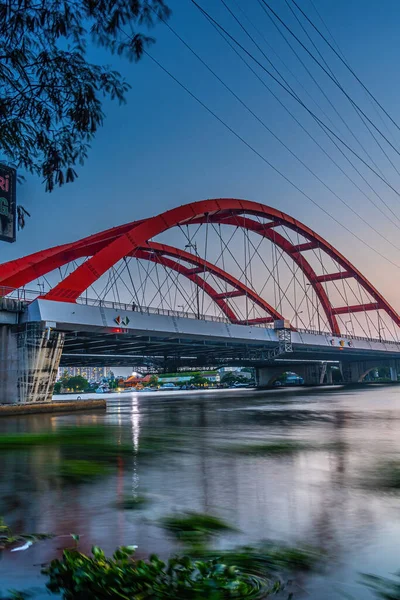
x=108 y=247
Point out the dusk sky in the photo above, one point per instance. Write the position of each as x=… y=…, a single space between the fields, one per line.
x=163 y=149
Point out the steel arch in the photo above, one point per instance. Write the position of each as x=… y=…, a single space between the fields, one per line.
x=109 y=247
x=23 y=271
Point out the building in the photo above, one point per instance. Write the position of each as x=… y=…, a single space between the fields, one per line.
x=89 y=373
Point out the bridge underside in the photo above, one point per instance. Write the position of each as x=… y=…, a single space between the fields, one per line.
x=175 y=351
x=48 y=334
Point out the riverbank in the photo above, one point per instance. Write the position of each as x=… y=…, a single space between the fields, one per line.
x=7 y=410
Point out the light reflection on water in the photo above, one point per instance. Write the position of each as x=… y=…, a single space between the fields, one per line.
x=312 y=497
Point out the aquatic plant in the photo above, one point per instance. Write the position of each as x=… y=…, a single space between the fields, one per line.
x=79 y=577
x=78 y=471
x=384 y=475
x=194 y=528
x=389 y=589
x=8 y=538
x=132 y=502
x=267 y=448
x=269 y=557
x=280 y=448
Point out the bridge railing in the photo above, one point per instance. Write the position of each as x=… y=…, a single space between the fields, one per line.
x=149 y=310
x=26 y=296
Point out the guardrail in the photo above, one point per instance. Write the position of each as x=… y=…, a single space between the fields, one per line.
x=27 y=296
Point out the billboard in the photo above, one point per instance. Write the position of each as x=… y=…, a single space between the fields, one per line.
x=8 y=205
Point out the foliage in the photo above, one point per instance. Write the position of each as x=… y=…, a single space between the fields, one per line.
x=195 y=528
x=75 y=382
x=79 y=470
x=389 y=589
x=232 y=378
x=153 y=381
x=132 y=502
x=280 y=447
x=270 y=557
x=275 y=448
x=78 y=577
x=384 y=475
x=198 y=379
x=51 y=101
x=9 y=538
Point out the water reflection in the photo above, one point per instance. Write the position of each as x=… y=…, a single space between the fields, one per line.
x=309 y=496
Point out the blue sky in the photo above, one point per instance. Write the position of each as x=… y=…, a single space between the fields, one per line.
x=162 y=149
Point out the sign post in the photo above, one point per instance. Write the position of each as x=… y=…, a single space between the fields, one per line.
x=8 y=204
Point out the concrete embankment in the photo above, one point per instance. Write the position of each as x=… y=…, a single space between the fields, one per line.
x=51 y=407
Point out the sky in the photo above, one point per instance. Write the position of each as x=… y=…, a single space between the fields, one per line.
x=163 y=149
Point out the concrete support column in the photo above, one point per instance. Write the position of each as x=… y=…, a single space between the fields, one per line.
x=393 y=373
x=29 y=359
x=329 y=378
x=265 y=375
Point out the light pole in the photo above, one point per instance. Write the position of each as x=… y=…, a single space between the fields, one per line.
x=300 y=312
x=194 y=246
x=380 y=327
x=348 y=328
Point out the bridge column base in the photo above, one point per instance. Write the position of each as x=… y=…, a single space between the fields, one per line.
x=311 y=373
x=355 y=372
x=29 y=359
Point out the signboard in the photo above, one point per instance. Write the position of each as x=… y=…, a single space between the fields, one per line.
x=8 y=205
x=341 y=343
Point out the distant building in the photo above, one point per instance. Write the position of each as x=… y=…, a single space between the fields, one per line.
x=89 y=373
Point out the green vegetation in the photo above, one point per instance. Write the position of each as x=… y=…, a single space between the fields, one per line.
x=52 y=95
x=77 y=383
x=198 y=379
x=195 y=528
x=79 y=577
x=389 y=589
x=132 y=502
x=80 y=471
x=385 y=476
x=9 y=538
x=279 y=448
x=270 y=557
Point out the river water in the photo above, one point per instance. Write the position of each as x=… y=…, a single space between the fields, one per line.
x=315 y=497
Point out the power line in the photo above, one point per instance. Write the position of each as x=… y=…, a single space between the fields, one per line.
x=275 y=136
x=264 y=159
x=353 y=107
x=330 y=76
x=363 y=120
x=227 y=41
x=347 y=65
x=253 y=58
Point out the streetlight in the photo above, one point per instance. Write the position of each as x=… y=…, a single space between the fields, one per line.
x=380 y=327
x=348 y=328
x=194 y=246
x=300 y=312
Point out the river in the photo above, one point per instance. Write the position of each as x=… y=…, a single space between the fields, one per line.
x=317 y=497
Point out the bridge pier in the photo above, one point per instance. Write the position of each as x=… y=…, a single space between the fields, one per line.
x=313 y=374
x=355 y=372
x=29 y=358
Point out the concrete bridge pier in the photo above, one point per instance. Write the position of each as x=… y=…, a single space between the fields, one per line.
x=313 y=373
x=355 y=372
x=29 y=358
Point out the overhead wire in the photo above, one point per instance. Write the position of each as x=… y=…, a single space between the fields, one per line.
x=264 y=159
x=340 y=87
x=356 y=110
x=253 y=58
x=233 y=48
x=348 y=67
x=229 y=89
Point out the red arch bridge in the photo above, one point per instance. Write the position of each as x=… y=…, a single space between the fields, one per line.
x=219 y=282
